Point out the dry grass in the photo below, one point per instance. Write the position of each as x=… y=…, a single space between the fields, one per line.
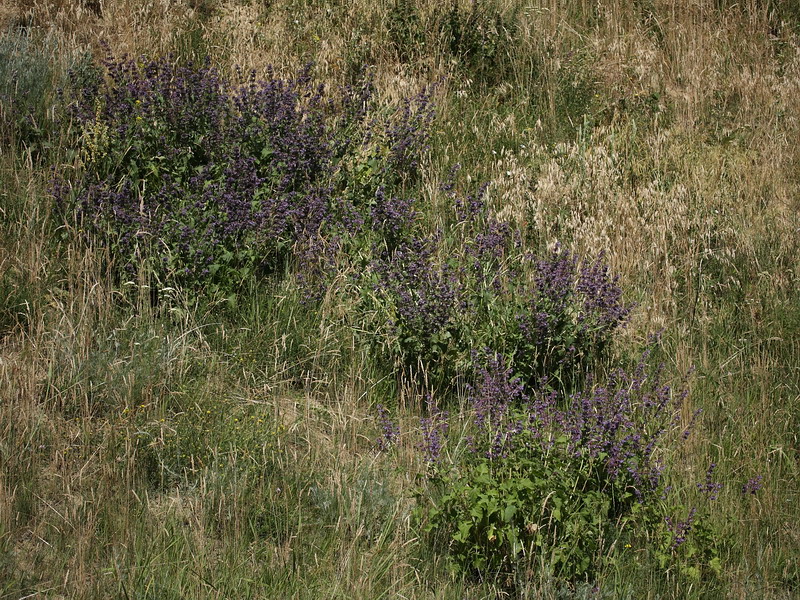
x=712 y=179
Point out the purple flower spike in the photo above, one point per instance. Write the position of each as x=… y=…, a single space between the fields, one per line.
x=753 y=485
x=710 y=488
x=390 y=431
x=434 y=432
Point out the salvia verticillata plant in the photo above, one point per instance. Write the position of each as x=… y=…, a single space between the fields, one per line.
x=547 y=475
x=551 y=315
x=210 y=181
x=390 y=432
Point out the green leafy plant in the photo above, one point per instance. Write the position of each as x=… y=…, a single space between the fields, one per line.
x=501 y=518
x=683 y=539
x=543 y=479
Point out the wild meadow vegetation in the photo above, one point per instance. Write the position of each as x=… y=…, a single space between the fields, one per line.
x=399 y=299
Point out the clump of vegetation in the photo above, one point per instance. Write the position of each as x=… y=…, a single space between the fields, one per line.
x=28 y=81
x=543 y=474
x=476 y=38
x=551 y=315
x=211 y=182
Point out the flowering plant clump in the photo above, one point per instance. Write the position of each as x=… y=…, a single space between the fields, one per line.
x=421 y=296
x=210 y=181
x=567 y=312
x=547 y=475
x=552 y=316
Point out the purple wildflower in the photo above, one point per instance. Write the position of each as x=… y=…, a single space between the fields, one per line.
x=709 y=487
x=680 y=529
x=434 y=431
x=753 y=485
x=390 y=431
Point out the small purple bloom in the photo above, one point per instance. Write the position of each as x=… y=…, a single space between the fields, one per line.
x=390 y=431
x=710 y=488
x=753 y=485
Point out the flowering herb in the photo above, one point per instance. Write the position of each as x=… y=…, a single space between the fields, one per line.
x=558 y=474
x=753 y=485
x=476 y=286
x=710 y=487
x=390 y=431
x=434 y=432
x=680 y=529
x=209 y=181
